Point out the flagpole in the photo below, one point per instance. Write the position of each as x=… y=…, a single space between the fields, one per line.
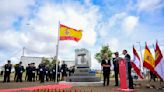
x=57 y=50
x=141 y=57
x=155 y=59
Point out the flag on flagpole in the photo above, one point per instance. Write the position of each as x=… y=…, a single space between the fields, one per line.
x=149 y=61
x=67 y=33
x=136 y=63
x=159 y=62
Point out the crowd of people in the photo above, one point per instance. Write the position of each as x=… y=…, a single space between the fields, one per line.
x=42 y=72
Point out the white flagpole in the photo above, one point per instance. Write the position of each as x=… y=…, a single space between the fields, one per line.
x=141 y=64
x=57 y=50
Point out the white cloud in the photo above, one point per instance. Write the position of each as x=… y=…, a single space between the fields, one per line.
x=129 y=23
x=94 y=63
x=10 y=10
x=111 y=22
x=149 y=5
x=114 y=44
x=40 y=35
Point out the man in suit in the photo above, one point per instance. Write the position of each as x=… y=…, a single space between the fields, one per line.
x=128 y=68
x=7 y=67
x=116 y=61
x=106 y=69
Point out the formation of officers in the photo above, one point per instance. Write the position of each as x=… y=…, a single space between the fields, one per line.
x=42 y=73
x=45 y=72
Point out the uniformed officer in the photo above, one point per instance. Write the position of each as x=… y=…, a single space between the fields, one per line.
x=47 y=73
x=59 y=71
x=33 y=72
x=30 y=73
x=106 y=69
x=20 y=71
x=64 y=70
x=27 y=72
x=54 y=72
x=72 y=70
x=51 y=73
x=116 y=61
x=7 y=67
x=128 y=68
x=37 y=74
x=16 y=72
x=42 y=72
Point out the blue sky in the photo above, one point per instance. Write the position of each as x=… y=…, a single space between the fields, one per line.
x=33 y=24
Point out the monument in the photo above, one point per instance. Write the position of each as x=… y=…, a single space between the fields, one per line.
x=82 y=71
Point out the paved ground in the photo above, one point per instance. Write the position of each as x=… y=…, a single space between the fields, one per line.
x=98 y=88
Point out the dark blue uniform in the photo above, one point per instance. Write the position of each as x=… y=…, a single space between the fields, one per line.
x=7 y=72
x=33 y=73
x=54 y=73
x=47 y=73
x=42 y=72
x=64 y=70
x=30 y=74
x=27 y=72
x=51 y=74
x=20 y=70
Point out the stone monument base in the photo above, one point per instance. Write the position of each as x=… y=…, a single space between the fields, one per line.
x=83 y=75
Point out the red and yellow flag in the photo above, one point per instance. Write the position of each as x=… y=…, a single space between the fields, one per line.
x=159 y=62
x=67 y=33
x=149 y=61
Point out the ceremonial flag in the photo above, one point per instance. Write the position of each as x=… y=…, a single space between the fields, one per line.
x=149 y=61
x=136 y=63
x=67 y=33
x=159 y=62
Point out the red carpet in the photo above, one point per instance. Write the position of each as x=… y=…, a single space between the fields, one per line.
x=56 y=86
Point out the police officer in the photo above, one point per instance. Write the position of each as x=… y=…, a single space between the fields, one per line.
x=54 y=72
x=37 y=74
x=33 y=72
x=7 y=67
x=47 y=73
x=64 y=70
x=51 y=73
x=116 y=61
x=106 y=69
x=16 y=72
x=71 y=70
x=42 y=72
x=59 y=71
x=128 y=68
x=20 y=71
x=30 y=73
x=27 y=72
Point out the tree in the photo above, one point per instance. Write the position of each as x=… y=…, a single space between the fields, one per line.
x=54 y=61
x=46 y=61
x=104 y=49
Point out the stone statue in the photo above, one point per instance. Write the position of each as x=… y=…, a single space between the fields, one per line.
x=82 y=64
x=82 y=58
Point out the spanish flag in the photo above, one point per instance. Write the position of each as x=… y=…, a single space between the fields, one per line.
x=136 y=63
x=159 y=62
x=67 y=33
x=149 y=61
